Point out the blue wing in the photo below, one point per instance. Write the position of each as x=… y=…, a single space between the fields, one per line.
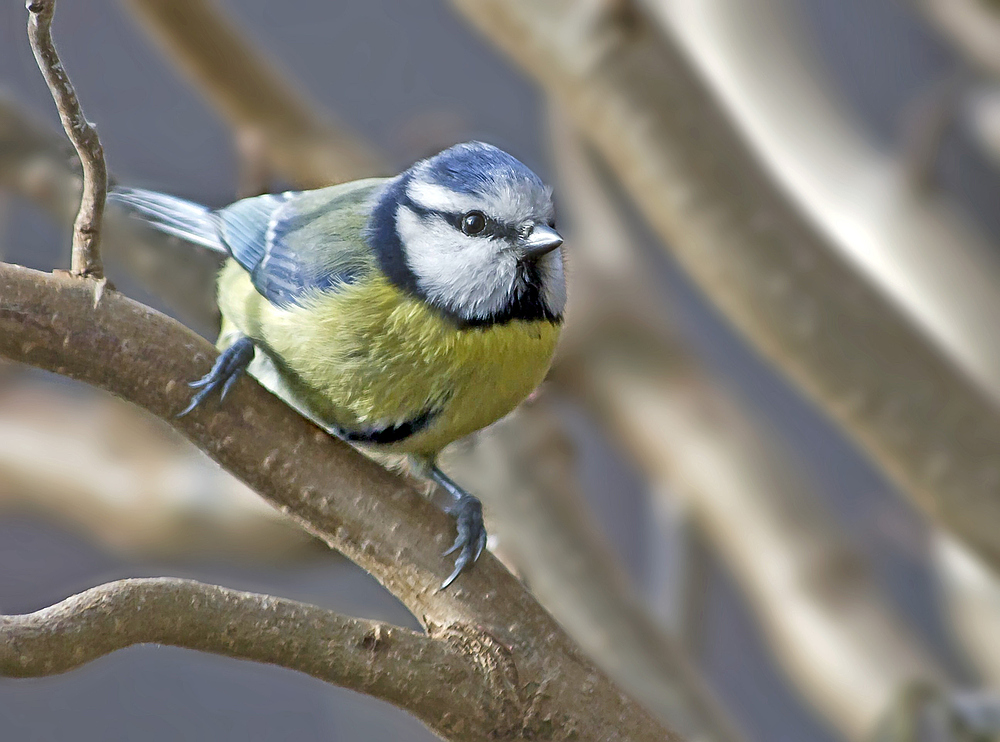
x=296 y=243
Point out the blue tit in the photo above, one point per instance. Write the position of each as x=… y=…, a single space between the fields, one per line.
x=400 y=314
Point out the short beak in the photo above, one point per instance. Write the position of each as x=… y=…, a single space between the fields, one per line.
x=541 y=241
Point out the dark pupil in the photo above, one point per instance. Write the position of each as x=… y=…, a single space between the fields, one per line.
x=474 y=222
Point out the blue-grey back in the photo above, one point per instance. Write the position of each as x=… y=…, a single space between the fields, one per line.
x=296 y=243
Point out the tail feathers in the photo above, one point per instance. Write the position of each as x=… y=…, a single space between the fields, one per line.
x=185 y=219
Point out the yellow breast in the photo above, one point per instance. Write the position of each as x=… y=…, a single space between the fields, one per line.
x=368 y=356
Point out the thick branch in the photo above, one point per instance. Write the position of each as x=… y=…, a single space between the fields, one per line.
x=522 y=469
x=866 y=361
x=539 y=681
x=83 y=135
x=253 y=96
x=406 y=669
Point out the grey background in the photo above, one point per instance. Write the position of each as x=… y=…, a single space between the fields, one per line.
x=413 y=78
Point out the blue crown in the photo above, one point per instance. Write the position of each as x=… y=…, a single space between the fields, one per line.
x=475 y=167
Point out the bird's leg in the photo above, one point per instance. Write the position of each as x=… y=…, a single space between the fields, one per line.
x=229 y=366
x=468 y=514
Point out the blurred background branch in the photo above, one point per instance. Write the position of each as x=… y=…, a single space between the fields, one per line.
x=838 y=639
x=253 y=96
x=972 y=25
x=129 y=482
x=843 y=338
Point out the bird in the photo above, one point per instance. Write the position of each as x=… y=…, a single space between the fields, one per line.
x=399 y=314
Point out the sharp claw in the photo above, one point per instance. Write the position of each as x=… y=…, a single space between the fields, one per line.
x=195 y=401
x=460 y=564
x=470 y=539
x=451 y=578
x=226 y=370
x=229 y=385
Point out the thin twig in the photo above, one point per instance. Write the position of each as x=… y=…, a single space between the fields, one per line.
x=86 y=259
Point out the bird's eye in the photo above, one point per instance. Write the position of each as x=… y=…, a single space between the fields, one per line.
x=474 y=222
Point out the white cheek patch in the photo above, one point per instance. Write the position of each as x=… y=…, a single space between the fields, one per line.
x=470 y=276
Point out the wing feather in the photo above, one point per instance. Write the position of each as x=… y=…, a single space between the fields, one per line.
x=293 y=244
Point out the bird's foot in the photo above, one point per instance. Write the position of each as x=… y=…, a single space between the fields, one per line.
x=468 y=514
x=228 y=367
x=471 y=538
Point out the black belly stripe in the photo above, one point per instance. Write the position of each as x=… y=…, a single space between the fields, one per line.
x=379 y=436
x=392 y=433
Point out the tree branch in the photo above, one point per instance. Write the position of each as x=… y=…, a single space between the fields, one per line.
x=407 y=669
x=824 y=616
x=256 y=99
x=87 y=227
x=851 y=347
x=522 y=470
x=537 y=681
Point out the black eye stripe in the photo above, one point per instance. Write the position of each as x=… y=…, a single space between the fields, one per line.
x=494 y=229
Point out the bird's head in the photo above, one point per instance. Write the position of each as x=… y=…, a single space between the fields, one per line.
x=472 y=232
